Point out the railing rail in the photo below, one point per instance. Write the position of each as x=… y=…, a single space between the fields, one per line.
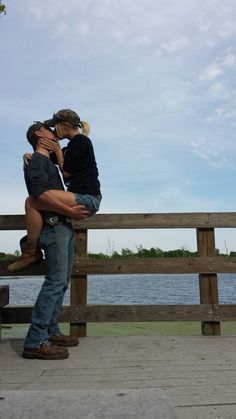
x=207 y=264
x=136 y=221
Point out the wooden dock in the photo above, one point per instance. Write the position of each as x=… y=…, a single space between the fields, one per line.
x=194 y=377
x=197 y=373
x=206 y=264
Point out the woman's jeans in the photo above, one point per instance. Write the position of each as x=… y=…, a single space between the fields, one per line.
x=58 y=244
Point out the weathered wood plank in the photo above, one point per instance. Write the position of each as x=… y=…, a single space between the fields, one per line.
x=39 y=269
x=136 y=313
x=78 y=295
x=156 y=265
x=111 y=313
x=198 y=373
x=187 y=265
x=4 y=300
x=208 y=285
x=161 y=220
x=121 y=313
x=12 y=222
x=223 y=312
x=4 y=295
x=136 y=220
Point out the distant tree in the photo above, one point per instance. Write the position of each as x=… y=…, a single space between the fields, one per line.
x=115 y=255
x=6 y=256
x=127 y=253
x=142 y=252
x=98 y=256
x=17 y=253
x=2 y=8
x=173 y=253
x=178 y=253
x=153 y=252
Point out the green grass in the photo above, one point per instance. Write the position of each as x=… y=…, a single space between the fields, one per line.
x=144 y=328
x=154 y=329
x=125 y=329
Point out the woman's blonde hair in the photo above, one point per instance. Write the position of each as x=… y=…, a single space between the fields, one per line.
x=85 y=127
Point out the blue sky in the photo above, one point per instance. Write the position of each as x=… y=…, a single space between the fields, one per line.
x=156 y=81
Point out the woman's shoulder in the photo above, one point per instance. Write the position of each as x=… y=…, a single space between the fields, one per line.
x=82 y=137
x=79 y=140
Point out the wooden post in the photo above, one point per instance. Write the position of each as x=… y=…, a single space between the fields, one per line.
x=208 y=282
x=4 y=300
x=79 y=282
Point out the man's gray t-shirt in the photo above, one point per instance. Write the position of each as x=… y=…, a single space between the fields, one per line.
x=41 y=175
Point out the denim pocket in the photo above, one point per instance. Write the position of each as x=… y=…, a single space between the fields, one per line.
x=96 y=204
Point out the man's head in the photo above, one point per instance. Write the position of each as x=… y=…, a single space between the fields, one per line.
x=37 y=131
x=66 y=123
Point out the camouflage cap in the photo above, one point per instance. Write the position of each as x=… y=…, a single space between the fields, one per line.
x=64 y=115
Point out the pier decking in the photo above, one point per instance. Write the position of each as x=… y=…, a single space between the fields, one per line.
x=197 y=374
x=153 y=377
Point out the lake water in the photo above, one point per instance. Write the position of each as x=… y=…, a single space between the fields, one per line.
x=129 y=289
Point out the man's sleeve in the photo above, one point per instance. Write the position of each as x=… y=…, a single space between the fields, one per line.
x=36 y=178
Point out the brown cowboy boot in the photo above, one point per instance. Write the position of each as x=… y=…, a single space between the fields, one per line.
x=31 y=254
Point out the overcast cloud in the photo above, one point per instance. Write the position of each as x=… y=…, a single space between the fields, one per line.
x=156 y=81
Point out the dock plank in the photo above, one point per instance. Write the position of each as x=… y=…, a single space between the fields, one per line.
x=198 y=373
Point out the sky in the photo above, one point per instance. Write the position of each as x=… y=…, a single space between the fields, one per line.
x=156 y=81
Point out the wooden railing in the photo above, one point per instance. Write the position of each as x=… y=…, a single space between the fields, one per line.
x=207 y=264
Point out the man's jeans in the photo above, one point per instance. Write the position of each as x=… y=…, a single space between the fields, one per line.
x=58 y=244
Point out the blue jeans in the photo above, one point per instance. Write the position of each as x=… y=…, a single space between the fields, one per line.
x=58 y=244
x=91 y=202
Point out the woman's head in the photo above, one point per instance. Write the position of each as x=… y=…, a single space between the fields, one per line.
x=67 y=124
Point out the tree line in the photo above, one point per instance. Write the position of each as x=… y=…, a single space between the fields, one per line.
x=140 y=252
x=153 y=252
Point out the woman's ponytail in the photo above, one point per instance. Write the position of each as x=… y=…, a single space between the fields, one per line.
x=85 y=127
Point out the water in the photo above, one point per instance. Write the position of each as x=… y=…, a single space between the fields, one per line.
x=129 y=289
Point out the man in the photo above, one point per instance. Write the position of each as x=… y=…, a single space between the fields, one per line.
x=44 y=339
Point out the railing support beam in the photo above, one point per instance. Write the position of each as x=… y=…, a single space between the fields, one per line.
x=208 y=282
x=78 y=295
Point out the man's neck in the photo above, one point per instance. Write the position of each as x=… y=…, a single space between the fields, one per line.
x=42 y=150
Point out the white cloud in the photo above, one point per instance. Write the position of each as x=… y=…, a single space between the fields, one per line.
x=229 y=60
x=211 y=43
x=36 y=11
x=141 y=41
x=131 y=68
x=223 y=115
x=175 y=45
x=212 y=152
x=217 y=88
x=211 y=72
x=227 y=29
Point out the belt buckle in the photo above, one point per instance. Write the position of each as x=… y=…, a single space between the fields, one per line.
x=53 y=220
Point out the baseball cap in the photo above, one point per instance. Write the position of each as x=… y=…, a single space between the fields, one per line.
x=64 y=115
